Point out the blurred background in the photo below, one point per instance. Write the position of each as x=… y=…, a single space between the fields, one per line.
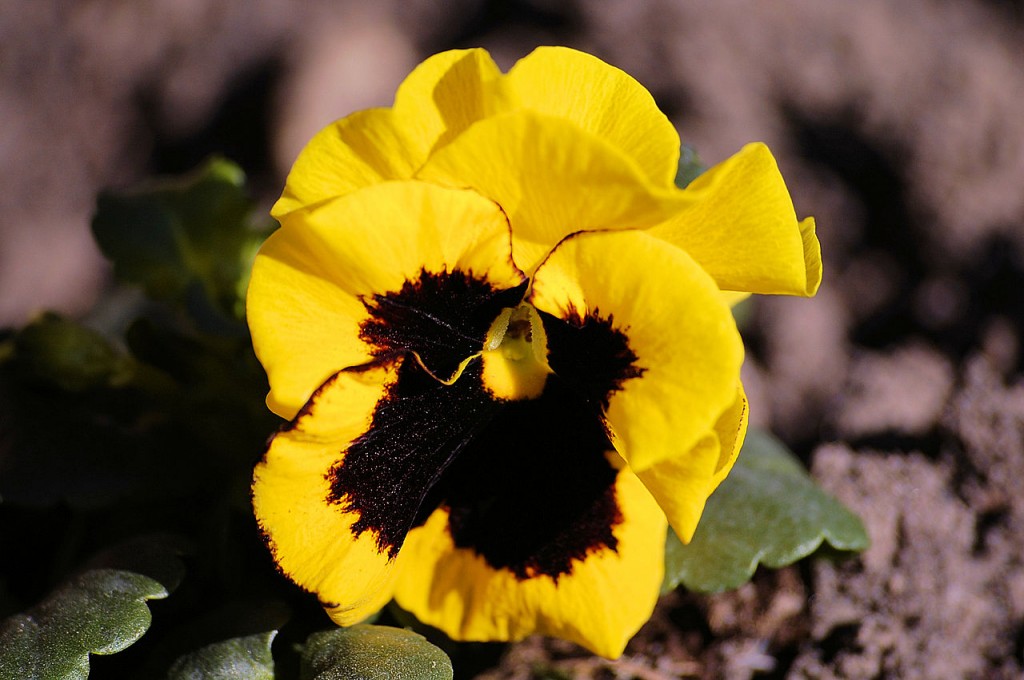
x=897 y=124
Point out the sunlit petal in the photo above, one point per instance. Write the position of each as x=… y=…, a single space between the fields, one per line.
x=600 y=604
x=551 y=177
x=674 y=331
x=312 y=280
x=601 y=99
x=741 y=227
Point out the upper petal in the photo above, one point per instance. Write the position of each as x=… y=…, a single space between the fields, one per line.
x=600 y=604
x=741 y=227
x=446 y=94
x=438 y=100
x=315 y=280
x=602 y=100
x=678 y=368
x=551 y=177
x=452 y=90
x=362 y=149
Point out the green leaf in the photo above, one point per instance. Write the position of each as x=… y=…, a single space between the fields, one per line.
x=767 y=511
x=690 y=166
x=222 y=400
x=188 y=241
x=70 y=356
x=101 y=611
x=89 y=447
x=372 y=653
x=241 y=658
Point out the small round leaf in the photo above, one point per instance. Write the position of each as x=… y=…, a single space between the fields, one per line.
x=373 y=653
x=241 y=658
x=101 y=611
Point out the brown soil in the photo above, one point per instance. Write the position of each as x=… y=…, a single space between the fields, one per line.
x=897 y=124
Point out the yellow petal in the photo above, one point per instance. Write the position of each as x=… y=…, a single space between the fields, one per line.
x=310 y=279
x=551 y=177
x=733 y=298
x=602 y=100
x=311 y=538
x=445 y=95
x=363 y=149
x=731 y=430
x=600 y=604
x=304 y=326
x=683 y=483
x=741 y=227
x=440 y=98
x=451 y=91
x=812 y=255
x=668 y=312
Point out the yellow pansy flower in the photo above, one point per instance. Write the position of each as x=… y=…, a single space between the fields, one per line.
x=503 y=340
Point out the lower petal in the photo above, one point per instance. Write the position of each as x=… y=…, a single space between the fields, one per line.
x=312 y=540
x=682 y=484
x=600 y=604
x=640 y=329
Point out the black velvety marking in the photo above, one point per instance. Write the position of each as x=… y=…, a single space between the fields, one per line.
x=443 y=317
x=591 y=355
x=417 y=430
x=527 y=483
x=533 y=492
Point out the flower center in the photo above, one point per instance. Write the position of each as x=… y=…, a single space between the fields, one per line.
x=515 y=356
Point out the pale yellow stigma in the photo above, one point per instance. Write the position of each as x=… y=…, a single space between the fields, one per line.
x=515 y=356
